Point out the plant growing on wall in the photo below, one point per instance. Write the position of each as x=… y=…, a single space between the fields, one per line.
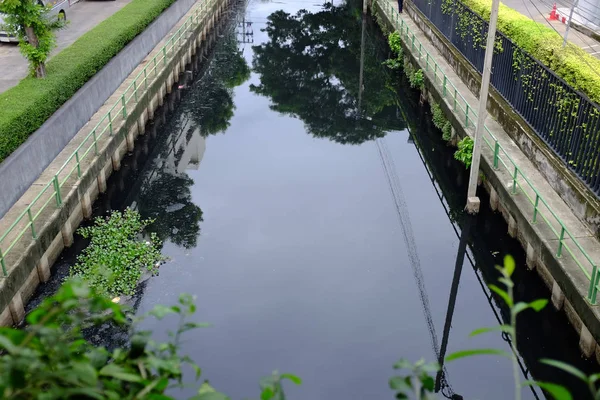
x=440 y=121
x=29 y=21
x=464 y=154
x=115 y=260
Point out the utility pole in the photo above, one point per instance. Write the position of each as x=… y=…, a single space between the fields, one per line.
x=569 y=22
x=472 y=199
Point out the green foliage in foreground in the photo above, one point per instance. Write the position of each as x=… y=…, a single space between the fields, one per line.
x=28 y=105
x=464 y=154
x=114 y=261
x=416 y=382
x=51 y=358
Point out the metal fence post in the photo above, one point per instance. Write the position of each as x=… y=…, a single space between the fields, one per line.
x=514 y=188
x=78 y=166
x=124 y=106
x=3 y=264
x=560 y=242
x=593 y=290
x=496 y=153
x=57 y=191
x=444 y=88
x=467 y=115
x=110 y=123
x=33 y=234
x=95 y=142
x=535 y=207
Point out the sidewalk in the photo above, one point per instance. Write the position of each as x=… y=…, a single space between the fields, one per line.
x=539 y=11
x=81 y=17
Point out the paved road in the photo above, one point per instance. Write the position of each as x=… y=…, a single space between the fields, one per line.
x=539 y=10
x=82 y=17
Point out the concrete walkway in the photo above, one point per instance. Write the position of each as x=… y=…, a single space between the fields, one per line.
x=82 y=17
x=539 y=11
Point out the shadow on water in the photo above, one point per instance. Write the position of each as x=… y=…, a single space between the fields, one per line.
x=323 y=88
x=484 y=242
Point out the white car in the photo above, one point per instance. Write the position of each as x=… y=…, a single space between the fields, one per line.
x=58 y=10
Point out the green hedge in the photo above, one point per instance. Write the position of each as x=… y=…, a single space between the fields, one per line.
x=545 y=44
x=25 y=107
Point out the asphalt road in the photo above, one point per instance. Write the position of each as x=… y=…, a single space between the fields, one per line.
x=82 y=17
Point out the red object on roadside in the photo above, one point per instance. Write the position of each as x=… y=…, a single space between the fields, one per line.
x=553 y=14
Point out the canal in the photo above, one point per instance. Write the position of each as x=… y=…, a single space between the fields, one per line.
x=307 y=201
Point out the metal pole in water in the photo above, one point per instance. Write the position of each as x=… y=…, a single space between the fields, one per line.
x=472 y=199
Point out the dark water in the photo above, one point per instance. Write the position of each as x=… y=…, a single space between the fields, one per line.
x=320 y=226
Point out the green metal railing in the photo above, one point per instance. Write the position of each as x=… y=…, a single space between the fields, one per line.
x=540 y=207
x=51 y=194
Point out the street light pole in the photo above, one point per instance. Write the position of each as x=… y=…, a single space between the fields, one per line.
x=569 y=22
x=472 y=199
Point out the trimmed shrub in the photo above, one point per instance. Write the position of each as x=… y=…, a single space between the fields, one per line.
x=25 y=107
x=572 y=64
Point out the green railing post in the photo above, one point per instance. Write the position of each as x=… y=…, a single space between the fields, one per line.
x=426 y=62
x=496 y=154
x=592 y=289
x=135 y=91
x=124 y=106
x=535 y=207
x=110 y=123
x=165 y=54
x=413 y=43
x=78 y=166
x=444 y=87
x=467 y=115
x=33 y=234
x=3 y=264
x=155 y=69
x=95 y=142
x=146 y=77
x=455 y=99
x=594 y=285
x=560 y=242
x=57 y=191
x=514 y=188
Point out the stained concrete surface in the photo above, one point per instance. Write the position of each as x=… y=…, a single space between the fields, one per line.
x=82 y=17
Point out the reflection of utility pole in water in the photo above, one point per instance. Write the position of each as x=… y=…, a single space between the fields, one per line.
x=440 y=379
x=362 y=62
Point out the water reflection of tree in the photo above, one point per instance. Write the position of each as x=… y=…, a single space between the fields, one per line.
x=310 y=69
x=211 y=102
x=206 y=108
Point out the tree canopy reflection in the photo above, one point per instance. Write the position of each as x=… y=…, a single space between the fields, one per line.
x=211 y=102
x=310 y=69
x=207 y=109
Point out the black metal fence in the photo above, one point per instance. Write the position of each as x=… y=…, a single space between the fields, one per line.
x=567 y=120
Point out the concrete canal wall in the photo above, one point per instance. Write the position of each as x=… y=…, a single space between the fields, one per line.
x=81 y=169
x=446 y=71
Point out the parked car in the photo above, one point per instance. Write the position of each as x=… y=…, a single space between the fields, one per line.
x=58 y=10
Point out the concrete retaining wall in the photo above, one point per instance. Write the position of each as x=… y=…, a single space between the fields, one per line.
x=35 y=257
x=25 y=165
